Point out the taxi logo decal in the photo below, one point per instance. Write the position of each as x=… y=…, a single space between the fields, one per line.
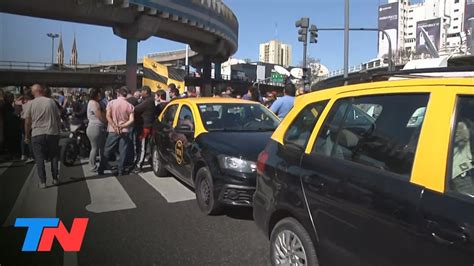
x=179 y=152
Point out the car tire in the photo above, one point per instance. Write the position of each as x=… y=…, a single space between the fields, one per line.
x=205 y=197
x=158 y=164
x=298 y=248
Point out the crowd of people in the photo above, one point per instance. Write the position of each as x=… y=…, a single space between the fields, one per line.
x=117 y=123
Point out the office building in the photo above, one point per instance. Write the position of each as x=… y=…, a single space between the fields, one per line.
x=275 y=52
x=422 y=27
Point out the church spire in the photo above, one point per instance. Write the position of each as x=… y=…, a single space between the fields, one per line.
x=74 y=54
x=60 y=52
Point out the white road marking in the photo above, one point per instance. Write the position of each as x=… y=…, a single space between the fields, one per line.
x=107 y=194
x=171 y=189
x=4 y=167
x=33 y=201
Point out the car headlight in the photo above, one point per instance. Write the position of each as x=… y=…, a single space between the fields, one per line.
x=236 y=164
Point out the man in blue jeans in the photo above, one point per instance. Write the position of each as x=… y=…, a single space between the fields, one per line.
x=42 y=122
x=120 y=118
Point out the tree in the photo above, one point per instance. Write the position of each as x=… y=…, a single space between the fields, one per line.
x=315 y=65
x=248 y=60
x=310 y=60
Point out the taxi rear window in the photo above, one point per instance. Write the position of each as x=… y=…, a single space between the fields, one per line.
x=237 y=117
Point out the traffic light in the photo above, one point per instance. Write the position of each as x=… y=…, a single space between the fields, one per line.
x=303 y=33
x=313 y=34
x=303 y=24
x=306 y=75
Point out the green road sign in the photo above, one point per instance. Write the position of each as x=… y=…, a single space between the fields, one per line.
x=276 y=77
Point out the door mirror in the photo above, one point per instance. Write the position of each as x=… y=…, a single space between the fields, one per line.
x=290 y=152
x=293 y=149
x=184 y=128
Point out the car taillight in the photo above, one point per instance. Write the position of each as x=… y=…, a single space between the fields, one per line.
x=261 y=161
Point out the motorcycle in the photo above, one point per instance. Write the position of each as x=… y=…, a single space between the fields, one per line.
x=76 y=146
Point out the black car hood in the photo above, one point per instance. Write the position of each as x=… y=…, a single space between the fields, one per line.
x=238 y=144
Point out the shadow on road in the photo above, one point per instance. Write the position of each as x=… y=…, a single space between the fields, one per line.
x=240 y=213
x=12 y=166
x=76 y=163
x=71 y=180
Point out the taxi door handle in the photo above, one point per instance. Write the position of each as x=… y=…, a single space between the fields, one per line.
x=454 y=238
x=447 y=236
x=314 y=182
x=441 y=240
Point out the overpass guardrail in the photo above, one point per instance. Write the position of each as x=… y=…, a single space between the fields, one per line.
x=42 y=66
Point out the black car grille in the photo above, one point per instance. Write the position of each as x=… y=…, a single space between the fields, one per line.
x=239 y=196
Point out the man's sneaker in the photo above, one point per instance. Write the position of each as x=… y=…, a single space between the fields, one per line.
x=30 y=160
x=42 y=185
x=23 y=157
x=137 y=170
x=55 y=181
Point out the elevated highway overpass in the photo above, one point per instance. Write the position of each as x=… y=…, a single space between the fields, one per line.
x=208 y=26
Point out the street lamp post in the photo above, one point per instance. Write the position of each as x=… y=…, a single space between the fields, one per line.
x=346 y=41
x=391 y=66
x=52 y=36
x=390 y=56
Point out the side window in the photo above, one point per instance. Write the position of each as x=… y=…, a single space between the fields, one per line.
x=186 y=117
x=461 y=176
x=374 y=131
x=302 y=127
x=168 y=116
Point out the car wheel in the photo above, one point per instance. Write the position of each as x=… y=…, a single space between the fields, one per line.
x=205 y=192
x=158 y=164
x=290 y=244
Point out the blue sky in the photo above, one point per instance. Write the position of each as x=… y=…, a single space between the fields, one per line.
x=24 y=38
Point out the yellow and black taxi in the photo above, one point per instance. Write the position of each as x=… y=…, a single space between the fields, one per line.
x=212 y=144
x=372 y=174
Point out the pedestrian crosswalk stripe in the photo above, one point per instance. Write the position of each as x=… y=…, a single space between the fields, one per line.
x=107 y=194
x=169 y=188
x=4 y=167
x=33 y=201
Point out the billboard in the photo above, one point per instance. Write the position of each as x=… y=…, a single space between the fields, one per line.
x=246 y=72
x=388 y=22
x=428 y=35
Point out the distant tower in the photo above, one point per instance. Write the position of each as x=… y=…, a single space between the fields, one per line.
x=60 y=53
x=74 y=55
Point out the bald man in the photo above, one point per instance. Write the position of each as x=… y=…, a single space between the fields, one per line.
x=42 y=121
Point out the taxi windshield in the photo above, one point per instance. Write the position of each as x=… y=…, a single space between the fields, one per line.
x=237 y=117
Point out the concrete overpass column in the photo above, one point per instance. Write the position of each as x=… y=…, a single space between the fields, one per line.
x=131 y=74
x=217 y=71
x=206 y=77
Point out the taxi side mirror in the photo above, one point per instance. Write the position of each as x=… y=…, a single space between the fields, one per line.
x=184 y=128
x=290 y=152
